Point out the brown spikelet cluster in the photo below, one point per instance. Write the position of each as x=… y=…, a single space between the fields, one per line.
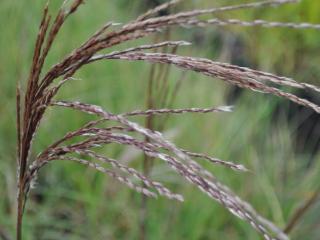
x=41 y=91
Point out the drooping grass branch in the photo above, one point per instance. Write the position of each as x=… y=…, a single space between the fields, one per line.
x=41 y=90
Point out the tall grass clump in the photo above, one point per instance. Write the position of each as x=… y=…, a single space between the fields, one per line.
x=80 y=145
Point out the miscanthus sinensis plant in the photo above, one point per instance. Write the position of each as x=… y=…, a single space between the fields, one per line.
x=42 y=87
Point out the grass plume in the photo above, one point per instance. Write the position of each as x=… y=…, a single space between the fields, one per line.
x=42 y=88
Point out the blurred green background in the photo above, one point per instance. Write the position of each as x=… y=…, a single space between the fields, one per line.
x=73 y=202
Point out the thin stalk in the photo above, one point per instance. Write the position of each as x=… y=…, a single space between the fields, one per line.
x=20 y=215
x=147 y=160
x=300 y=212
